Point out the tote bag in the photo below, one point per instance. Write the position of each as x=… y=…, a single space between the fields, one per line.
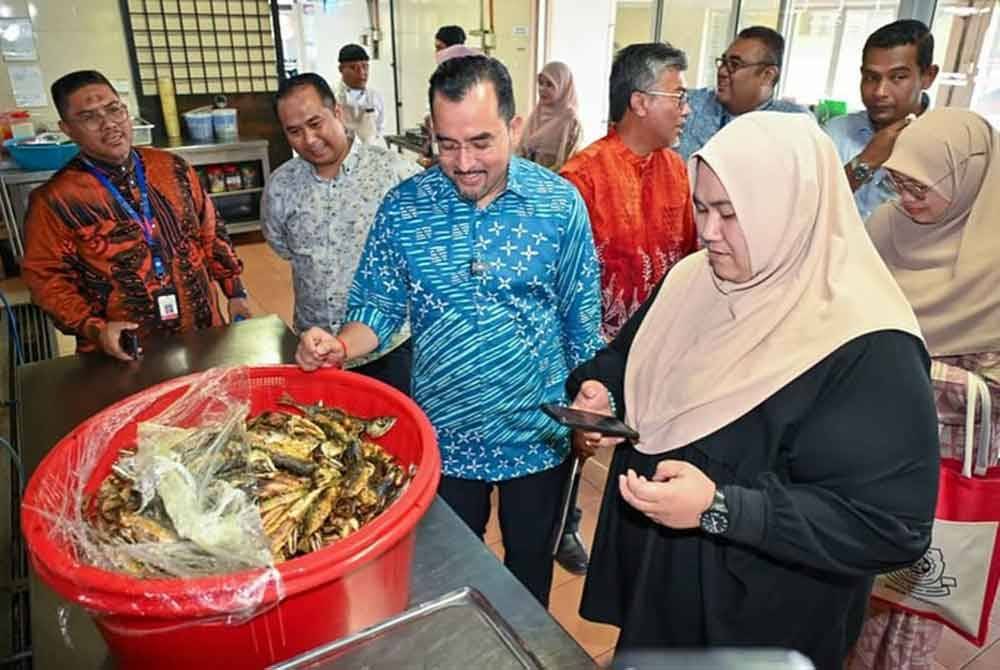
x=956 y=580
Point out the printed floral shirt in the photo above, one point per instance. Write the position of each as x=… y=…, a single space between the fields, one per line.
x=320 y=226
x=503 y=302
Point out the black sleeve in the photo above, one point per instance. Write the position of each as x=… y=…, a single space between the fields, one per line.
x=608 y=365
x=861 y=491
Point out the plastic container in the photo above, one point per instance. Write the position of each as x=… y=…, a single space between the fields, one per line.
x=339 y=590
x=216 y=179
x=142 y=133
x=21 y=126
x=224 y=122
x=11 y=117
x=234 y=181
x=199 y=125
x=41 y=156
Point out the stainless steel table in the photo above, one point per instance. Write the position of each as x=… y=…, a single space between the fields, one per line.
x=55 y=395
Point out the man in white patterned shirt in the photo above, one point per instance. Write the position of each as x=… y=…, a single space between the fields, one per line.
x=318 y=208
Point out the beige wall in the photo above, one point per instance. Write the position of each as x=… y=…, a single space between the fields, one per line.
x=515 y=51
x=71 y=35
x=633 y=24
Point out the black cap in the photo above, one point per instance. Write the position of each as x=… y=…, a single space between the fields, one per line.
x=351 y=53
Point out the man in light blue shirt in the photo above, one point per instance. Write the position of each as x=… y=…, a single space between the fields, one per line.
x=896 y=69
x=493 y=259
x=746 y=76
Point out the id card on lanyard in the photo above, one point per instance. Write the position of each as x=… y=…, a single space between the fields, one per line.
x=165 y=299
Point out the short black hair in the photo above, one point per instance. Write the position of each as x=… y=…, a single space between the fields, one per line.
x=636 y=68
x=350 y=53
x=68 y=84
x=450 y=35
x=456 y=76
x=305 y=80
x=774 y=43
x=903 y=32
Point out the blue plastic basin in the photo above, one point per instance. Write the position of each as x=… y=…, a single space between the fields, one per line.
x=41 y=156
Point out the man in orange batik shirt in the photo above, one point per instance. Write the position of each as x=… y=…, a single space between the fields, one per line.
x=639 y=200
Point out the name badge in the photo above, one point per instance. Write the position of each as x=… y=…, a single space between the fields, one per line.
x=168 y=308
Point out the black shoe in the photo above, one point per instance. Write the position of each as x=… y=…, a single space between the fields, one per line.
x=572 y=555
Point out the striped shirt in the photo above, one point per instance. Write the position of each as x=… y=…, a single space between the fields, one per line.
x=503 y=302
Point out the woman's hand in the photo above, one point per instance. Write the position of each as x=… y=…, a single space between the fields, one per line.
x=592 y=397
x=675 y=497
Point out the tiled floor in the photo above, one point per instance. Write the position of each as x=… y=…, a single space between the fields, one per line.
x=268 y=281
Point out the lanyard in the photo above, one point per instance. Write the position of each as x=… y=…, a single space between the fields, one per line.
x=145 y=221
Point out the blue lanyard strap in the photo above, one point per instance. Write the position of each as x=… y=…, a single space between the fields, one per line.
x=146 y=220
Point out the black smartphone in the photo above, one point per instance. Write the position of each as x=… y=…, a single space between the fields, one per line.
x=590 y=422
x=129 y=342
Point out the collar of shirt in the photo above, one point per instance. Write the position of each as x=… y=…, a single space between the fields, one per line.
x=865 y=130
x=346 y=90
x=627 y=155
x=351 y=161
x=446 y=193
x=724 y=115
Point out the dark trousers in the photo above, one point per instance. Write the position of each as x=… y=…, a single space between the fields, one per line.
x=529 y=506
x=575 y=513
x=393 y=368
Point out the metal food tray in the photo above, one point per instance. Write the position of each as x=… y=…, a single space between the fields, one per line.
x=459 y=630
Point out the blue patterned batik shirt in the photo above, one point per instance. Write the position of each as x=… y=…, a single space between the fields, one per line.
x=503 y=302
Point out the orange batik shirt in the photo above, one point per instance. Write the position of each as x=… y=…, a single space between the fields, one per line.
x=87 y=262
x=642 y=218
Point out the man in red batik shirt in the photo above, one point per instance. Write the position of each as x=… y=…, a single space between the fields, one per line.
x=638 y=197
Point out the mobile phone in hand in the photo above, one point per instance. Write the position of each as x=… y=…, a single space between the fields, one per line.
x=129 y=342
x=590 y=422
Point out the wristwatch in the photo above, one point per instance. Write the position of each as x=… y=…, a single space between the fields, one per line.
x=715 y=519
x=860 y=170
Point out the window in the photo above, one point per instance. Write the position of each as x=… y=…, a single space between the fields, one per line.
x=701 y=29
x=823 y=44
x=967 y=48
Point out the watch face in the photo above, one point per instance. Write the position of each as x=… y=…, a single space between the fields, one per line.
x=862 y=172
x=714 y=521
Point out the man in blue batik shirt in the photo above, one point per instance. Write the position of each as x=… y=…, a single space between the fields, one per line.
x=493 y=259
x=745 y=79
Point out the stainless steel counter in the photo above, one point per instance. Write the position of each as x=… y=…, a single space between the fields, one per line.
x=55 y=395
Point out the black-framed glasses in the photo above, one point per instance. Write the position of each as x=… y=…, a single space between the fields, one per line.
x=734 y=64
x=680 y=96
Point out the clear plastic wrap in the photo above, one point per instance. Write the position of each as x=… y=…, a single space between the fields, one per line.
x=178 y=506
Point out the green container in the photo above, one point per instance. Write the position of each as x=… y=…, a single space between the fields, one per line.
x=828 y=109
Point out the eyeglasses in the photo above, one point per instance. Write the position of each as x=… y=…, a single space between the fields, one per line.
x=903 y=184
x=680 y=96
x=116 y=112
x=734 y=64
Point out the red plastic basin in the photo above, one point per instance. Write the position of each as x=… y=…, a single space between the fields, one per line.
x=170 y=623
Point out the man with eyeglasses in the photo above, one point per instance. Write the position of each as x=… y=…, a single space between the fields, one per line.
x=746 y=78
x=492 y=258
x=124 y=239
x=318 y=208
x=639 y=200
x=896 y=70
